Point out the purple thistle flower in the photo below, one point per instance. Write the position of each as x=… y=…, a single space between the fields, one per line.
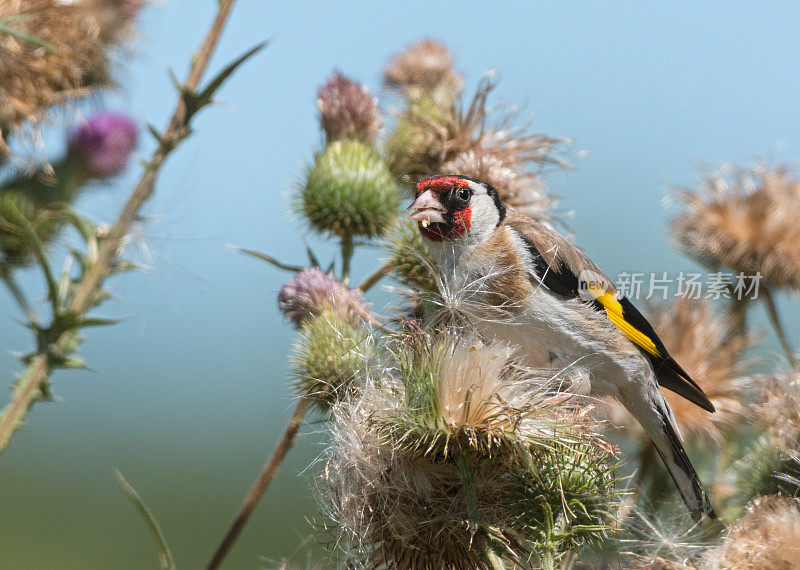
x=104 y=143
x=312 y=291
x=347 y=110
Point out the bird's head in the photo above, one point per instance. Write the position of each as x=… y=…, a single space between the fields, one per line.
x=452 y=207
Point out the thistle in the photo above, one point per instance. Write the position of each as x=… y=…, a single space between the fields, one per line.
x=55 y=52
x=430 y=139
x=347 y=110
x=771 y=464
x=349 y=192
x=745 y=222
x=312 y=292
x=457 y=458
x=411 y=263
x=330 y=358
x=103 y=144
x=425 y=68
x=518 y=188
x=767 y=536
x=33 y=207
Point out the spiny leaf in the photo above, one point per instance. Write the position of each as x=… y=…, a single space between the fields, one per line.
x=268 y=258
x=312 y=259
x=165 y=559
x=196 y=101
x=151 y=128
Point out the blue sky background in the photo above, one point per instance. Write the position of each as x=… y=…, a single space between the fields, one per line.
x=189 y=393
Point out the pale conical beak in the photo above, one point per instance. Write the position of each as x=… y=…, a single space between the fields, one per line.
x=427 y=209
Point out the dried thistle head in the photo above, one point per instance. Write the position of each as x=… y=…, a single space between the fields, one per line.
x=424 y=67
x=772 y=463
x=700 y=341
x=660 y=539
x=396 y=483
x=429 y=140
x=70 y=57
x=312 y=292
x=745 y=221
x=778 y=411
x=330 y=359
x=766 y=537
x=347 y=110
x=518 y=188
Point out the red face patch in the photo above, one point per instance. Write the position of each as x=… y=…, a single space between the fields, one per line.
x=441 y=183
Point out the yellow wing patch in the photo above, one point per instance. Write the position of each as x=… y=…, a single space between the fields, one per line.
x=615 y=315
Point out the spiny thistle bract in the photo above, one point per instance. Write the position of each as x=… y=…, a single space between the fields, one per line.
x=766 y=537
x=432 y=139
x=772 y=463
x=412 y=149
x=411 y=263
x=455 y=456
x=330 y=358
x=746 y=221
x=349 y=192
x=312 y=292
x=714 y=357
x=69 y=57
x=347 y=110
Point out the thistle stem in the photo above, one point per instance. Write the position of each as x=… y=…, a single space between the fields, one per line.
x=467 y=467
x=261 y=483
x=347 y=256
x=28 y=388
x=772 y=310
x=376 y=276
x=738 y=314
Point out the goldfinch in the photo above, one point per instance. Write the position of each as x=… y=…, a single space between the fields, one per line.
x=559 y=309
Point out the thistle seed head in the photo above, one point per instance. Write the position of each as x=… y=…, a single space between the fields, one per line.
x=744 y=220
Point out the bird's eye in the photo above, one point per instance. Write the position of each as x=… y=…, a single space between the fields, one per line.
x=464 y=194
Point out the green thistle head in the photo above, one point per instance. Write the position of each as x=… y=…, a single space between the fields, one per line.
x=19 y=214
x=413 y=148
x=457 y=457
x=330 y=356
x=412 y=264
x=349 y=192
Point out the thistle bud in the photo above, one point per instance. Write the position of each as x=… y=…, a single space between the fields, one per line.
x=330 y=358
x=312 y=292
x=103 y=144
x=347 y=110
x=412 y=264
x=349 y=192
